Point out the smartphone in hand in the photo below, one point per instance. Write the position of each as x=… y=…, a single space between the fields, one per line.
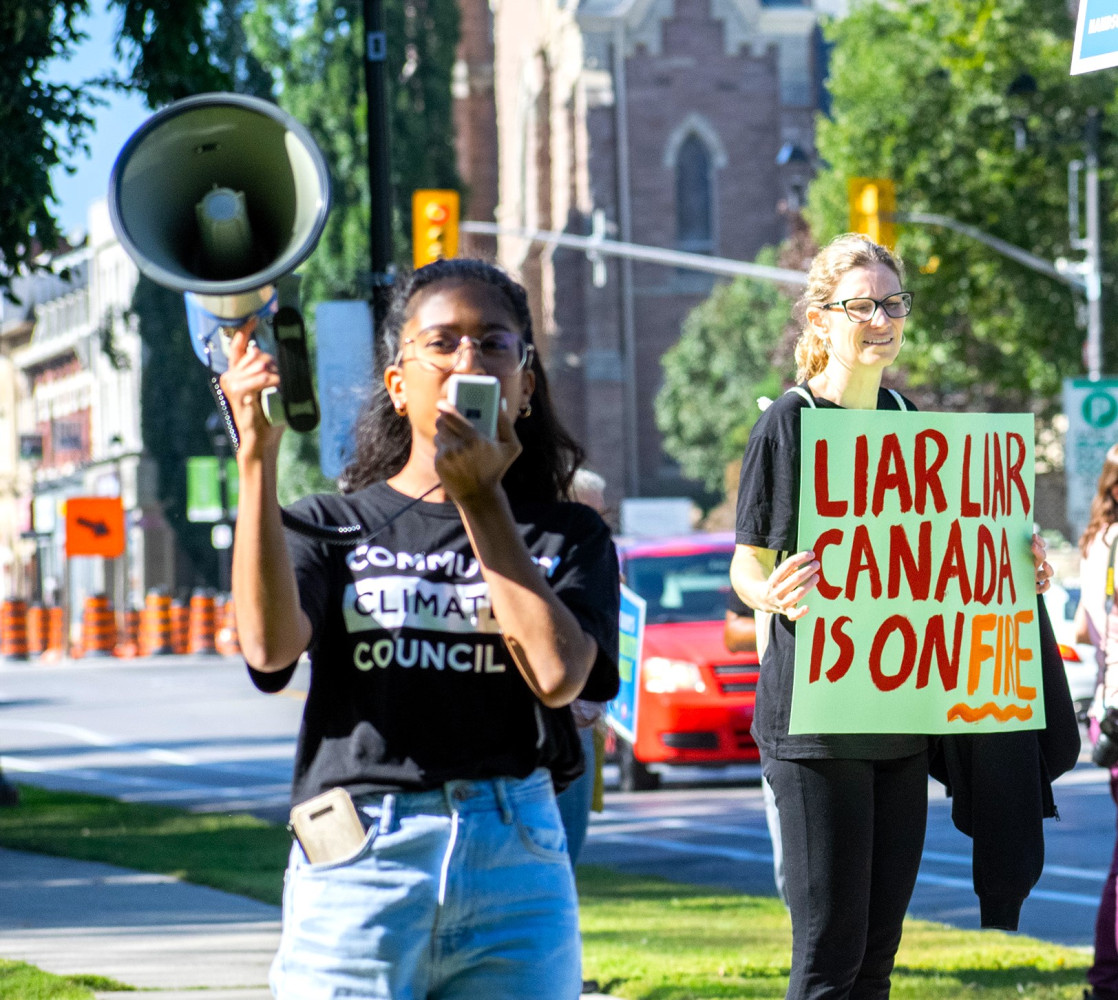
x=477 y=398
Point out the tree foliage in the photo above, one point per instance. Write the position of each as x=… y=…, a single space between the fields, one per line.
x=315 y=52
x=175 y=401
x=714 y=375
x=45 y=125
x=969 y=107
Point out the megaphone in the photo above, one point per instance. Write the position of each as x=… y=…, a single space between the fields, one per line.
x=221 y=197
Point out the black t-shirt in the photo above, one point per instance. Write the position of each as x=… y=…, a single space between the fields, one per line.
x=768 y=517
x=411 y=683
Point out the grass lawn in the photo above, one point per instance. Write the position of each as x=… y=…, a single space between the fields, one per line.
x=24 y=982
x=644 y=938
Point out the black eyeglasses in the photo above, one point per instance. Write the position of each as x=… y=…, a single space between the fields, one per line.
x=863 y=309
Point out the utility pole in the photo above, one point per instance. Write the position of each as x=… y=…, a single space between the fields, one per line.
x=1090 y=243
x=380 y=190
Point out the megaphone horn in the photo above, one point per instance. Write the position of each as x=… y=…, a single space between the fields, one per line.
x=221 y=196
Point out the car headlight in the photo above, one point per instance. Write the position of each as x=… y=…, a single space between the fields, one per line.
x=664 y=676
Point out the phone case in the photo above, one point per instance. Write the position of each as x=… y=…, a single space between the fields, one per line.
x=327 y=826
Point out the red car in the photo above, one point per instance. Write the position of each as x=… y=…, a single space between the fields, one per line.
x=695 y=702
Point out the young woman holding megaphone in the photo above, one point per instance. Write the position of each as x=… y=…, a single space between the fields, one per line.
x=445 y=649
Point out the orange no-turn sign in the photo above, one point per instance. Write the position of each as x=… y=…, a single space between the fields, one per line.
x=95 y=527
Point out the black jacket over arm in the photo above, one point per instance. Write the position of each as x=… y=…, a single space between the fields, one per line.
x=1001 y=789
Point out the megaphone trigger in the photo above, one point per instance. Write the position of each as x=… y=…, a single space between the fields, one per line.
x=296 y=386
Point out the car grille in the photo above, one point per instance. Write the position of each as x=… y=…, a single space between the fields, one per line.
x=736 y=678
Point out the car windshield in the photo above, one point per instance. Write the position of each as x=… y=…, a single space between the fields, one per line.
x=683 y=588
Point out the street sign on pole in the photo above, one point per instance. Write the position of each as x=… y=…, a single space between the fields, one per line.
x=1091 y=407
x=1096 y=36
x=94 y=527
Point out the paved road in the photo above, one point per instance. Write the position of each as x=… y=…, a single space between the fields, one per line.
x=192 y=732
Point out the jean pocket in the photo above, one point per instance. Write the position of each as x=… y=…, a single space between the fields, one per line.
x=344 y=853
x=541 y=829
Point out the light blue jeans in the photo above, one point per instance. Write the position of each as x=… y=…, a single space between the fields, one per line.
x=461 y=893
x=575 y=800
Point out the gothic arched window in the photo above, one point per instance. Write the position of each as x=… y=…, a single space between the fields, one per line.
x=693 y=197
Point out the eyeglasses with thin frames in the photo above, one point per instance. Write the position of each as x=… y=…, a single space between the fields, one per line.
x=862 y=309
x=500 y=352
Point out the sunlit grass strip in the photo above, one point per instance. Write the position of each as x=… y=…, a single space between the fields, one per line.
x=650 y=939
x=234 y=852
x=19 y=981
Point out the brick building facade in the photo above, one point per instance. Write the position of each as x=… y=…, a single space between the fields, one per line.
x=667 y=117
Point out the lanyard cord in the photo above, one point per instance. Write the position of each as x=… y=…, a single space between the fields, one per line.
x=329 y=534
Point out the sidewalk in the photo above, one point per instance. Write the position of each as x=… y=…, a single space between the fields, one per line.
x=147 y=931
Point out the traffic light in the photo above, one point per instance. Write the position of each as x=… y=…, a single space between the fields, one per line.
x=873 y=202
x=434 y=225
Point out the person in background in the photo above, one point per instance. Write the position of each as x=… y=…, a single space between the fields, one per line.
x=852 y=807
x=584 y=793
x=745 y=632
x=1097 y=620
x=446 y=645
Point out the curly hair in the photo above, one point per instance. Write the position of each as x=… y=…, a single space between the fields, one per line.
x=829 y=266
x=1104 y=508
x=549 y=456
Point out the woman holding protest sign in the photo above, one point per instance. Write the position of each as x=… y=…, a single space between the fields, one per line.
x=1097 y=621
x=852 y=807
x=447 y=638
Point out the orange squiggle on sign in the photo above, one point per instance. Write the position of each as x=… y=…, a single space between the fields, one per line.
x=968 y=713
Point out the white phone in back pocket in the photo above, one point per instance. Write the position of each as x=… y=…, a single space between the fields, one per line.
x=477 y=398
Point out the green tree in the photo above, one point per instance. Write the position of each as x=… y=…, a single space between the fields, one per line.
x=316 y=55
x=714 y=375
x=174 y=403
x=175 y=400
x=45 y=125
x=968 y=106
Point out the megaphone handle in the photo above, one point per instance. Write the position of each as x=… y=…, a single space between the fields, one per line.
x=296 y=387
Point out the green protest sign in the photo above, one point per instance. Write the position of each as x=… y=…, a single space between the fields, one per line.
x=924 y=620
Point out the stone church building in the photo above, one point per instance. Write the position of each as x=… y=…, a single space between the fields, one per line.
x=684 y=124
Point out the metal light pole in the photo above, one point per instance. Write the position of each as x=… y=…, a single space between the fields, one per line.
x=380 y=191
x=222 y=451
x=1090 y=244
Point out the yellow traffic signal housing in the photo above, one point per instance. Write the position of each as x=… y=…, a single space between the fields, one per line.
x=434 y=225
x=873 y=202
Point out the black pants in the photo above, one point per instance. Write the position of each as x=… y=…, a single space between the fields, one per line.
x=853 y=833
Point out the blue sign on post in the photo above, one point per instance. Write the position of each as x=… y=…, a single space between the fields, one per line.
x=621 y=713
x=1096 y=36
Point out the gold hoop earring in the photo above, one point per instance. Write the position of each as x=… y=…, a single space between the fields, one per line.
x=524 y=411
x=401 y=409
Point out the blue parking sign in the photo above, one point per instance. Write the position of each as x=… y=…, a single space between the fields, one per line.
x=1096 y=36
